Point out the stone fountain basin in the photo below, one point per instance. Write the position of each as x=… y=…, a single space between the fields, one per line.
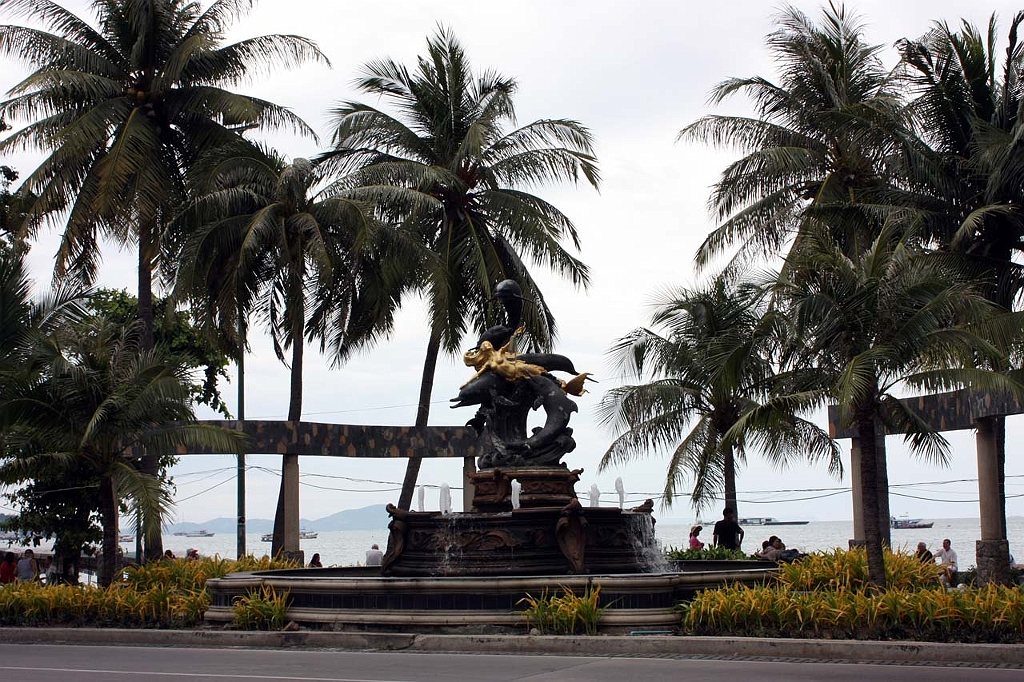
x=356 y=598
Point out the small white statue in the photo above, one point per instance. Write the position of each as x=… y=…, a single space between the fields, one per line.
x=595 y=496
x=621 y=491
x=446 y=499
x=420 y=497
x=517 y=487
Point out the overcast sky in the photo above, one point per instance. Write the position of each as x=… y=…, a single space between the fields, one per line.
x=635 y=74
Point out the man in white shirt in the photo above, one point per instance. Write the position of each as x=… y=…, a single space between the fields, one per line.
x=374 y=557
x=946 y=558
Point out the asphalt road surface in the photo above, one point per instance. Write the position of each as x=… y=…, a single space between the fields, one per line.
x=45 y=663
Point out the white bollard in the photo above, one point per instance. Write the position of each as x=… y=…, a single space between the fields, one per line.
x=446 y=499
x=621 y=490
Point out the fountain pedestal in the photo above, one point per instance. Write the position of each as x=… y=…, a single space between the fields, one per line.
x=550 y=534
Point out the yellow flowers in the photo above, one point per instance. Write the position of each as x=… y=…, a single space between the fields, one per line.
x=159 y=594
x=565 y=614
x=826 y=595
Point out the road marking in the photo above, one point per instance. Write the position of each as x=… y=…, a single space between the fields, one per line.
x=195 y=674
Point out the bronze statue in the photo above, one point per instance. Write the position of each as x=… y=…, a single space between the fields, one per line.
x=508 y=385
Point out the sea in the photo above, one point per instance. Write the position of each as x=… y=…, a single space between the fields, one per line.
x=348 y=548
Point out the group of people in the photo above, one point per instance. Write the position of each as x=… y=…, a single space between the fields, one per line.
x=729 y=534
x=946 y=559
x=374 y=557
x=27 y=569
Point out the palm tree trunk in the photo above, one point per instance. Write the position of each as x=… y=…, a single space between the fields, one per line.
x=412 y=470
x=286 y=521
x=729 y=474
x=108 y=519
x=150 y=464
x=869 y=488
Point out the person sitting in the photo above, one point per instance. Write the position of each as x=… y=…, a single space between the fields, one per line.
x=315 y=561
x=192 y=555
x=695 y=542
x=374 y=557
x=922 y=554
x=948 y=562
x=771 y=549
x=169 y=555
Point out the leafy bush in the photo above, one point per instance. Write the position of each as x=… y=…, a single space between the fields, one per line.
x=991 y=614
x=709 y=553
x=158 y=595
x=565 y=614
x=827 y=595
x=262 y=609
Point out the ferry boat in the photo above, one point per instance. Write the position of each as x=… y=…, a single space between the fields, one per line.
x=769 y=521
x=905 y=523
x=125 y=538
x=194 y=534
x=303 y=535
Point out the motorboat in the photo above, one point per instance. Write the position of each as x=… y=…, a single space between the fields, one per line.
x=905 y=523
x=303 y=535
x=194 y=534
x=769 y=521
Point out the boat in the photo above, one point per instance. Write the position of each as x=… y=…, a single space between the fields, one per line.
x=905 y=522
x=125 y=537
x=769 y=521
x=194 y=534
x=303 y=535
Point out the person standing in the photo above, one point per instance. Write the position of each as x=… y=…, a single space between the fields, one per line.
x=727 y=532
x=9 y=569
x=374 y=557
x=28 y=567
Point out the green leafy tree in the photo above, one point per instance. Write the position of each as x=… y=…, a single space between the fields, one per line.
x=713 y=364
x=123 y=109
x=446 y=168
x=962 y=183
x=177 y=333
x=894 y=319
x=96 y=403
x=273 y=241
x=827 y=133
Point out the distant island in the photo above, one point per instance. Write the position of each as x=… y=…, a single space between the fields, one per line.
x=374 y=517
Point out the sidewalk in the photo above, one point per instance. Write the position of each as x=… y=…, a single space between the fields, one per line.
x=1002 y=655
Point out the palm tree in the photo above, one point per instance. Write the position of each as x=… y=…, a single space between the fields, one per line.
x=712 y=366
x=273 y=241
x=963 y=181
x=826 y=133
x=123 y=110
x=97 y=401
x=874 y=327
x=447 y=169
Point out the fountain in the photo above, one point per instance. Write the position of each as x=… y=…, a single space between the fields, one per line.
x=547 y=531
x=525 y=533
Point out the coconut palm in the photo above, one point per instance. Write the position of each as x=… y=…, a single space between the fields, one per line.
x=98 y=400
x=712 y=365
x=828 y=132
x=447 y=168
x=963 y=182
x=122 y=109
x=273 y=242
x=877 y=326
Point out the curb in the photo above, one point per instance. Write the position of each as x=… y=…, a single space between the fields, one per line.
x=1003 y=655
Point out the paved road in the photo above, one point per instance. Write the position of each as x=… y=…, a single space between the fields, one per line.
x=45 y=663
